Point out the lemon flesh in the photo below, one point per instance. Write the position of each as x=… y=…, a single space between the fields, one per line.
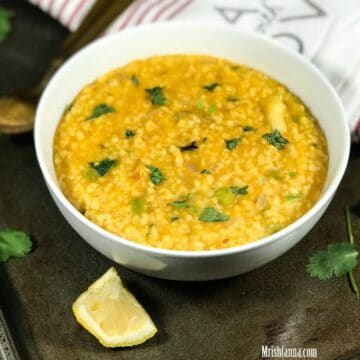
x=112 y=314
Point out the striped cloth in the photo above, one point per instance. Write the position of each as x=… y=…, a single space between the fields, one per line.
x=325 y=31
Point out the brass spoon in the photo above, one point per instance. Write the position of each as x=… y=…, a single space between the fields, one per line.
x=17 y=111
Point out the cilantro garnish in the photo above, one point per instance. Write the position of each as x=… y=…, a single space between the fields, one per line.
x=5 y=24
x=134 y=79
x=338 y=259
x=248 y=128
x=211 y=87
x=232 y=98
x=189 y=147
x=205 y=171
x=156 y=176
x=13 y=243
x=174 y=218
x=232 y=143
x=129 y=133
x=182 y=203
x=276 y=139
x=292 y=174
x=156 y=95
x=100 y=110
x=210 y=214
x=237 y=190
x=102 y=167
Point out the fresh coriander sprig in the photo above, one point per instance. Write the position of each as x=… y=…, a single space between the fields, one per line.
x=337 y=260
x=13 y=243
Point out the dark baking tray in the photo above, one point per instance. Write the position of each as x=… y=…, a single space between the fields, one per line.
x=278 y=304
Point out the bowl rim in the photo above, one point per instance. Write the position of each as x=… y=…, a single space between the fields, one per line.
x=325 y=197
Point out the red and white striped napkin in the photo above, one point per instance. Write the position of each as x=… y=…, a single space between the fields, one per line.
x=325 y=31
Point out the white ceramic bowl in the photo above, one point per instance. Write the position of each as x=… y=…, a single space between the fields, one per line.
x=247 y=48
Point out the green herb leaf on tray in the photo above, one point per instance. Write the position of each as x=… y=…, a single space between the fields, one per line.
x=102 y=167
x=292 y=174
x=100 y=110
x=205 y=171
x=156 y=176
x=157 y=96
x=232 y=98
x=232 y=143
x=129 y=133
x=276 y=139
x=134 y=79
x=13 y=243
x=336 y=260
x=210 y=214
x=237 y=190
x=5 y=24
x=190 y=147
x=211 y=87
x=248 y=128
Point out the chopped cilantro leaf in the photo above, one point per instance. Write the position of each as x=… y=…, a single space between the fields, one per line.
x=205 y=171
x=13 y=243
x=232 y=98
x=182 y=203
x=100 y=110
x=232 y=143
x=237 y=190
x=134 y=79
x=102 y=167
x=210 y=214
x=174 y=218
x=156 y=176
x=189 y=147
x=292 y=174
x=129 y=133
x=276 y=139
x=211 y=87
x=248 y=128
x=156 y=95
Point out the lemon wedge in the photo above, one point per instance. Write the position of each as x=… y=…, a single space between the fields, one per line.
x=112 y=314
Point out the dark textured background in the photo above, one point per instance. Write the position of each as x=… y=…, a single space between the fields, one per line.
x=278 y=304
